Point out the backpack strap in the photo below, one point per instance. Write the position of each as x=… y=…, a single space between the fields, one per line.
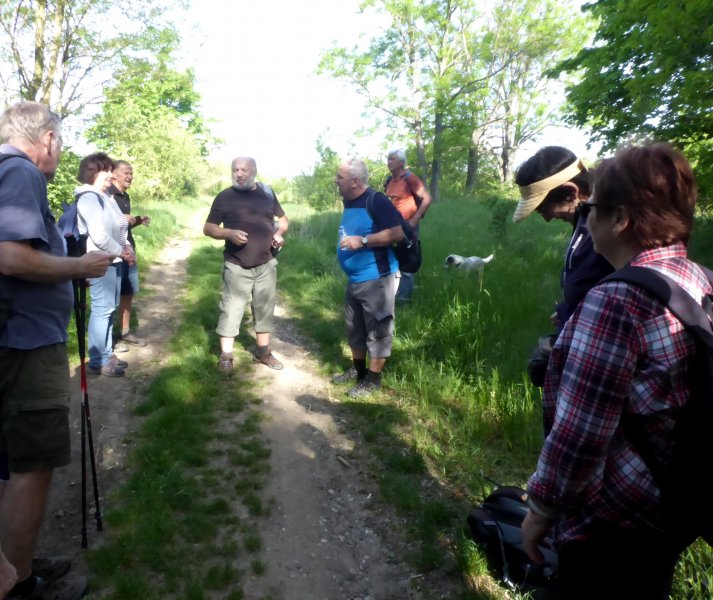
x=267 y=190
x=696 y=317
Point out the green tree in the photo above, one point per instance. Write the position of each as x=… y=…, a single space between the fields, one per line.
x=151 y=117
x=61 y=188
x=318 y=188
x=524 y=39
x=458 y=78
x=59 y=51
x=648 y=72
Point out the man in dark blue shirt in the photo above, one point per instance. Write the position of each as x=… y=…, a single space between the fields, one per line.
x=35 y=305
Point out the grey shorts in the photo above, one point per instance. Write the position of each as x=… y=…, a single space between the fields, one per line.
x=35 y=409
x=369 y=311
x=239 y=286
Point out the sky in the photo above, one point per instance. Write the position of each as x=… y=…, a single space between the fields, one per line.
x=255 y=63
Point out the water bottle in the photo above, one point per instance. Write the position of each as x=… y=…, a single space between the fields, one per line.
x=342 y=235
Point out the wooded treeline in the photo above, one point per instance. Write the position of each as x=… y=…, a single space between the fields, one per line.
x=111 y=67
x=462 y=84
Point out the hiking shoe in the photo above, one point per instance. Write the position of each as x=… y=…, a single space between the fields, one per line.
x=268 y=359
x=348 y=376
x=52 y=568
x=363 y=388
x=130 y=338
x=225 y=364
x=64 y=589
x=121 y=346
x=108 y=370
x=115 y=360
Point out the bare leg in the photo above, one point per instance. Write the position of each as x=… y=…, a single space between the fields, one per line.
x=125 y=312
x=21 y=514
x=8 y=575
x=263 y=339
x=376 y=364
x=226 y=344
x=358 y=354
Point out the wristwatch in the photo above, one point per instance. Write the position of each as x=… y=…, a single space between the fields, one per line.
x=364 y=241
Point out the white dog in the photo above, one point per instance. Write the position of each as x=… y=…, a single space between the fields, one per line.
x=470 y=263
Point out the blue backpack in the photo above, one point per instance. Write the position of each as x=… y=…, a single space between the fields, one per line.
x=68 y=225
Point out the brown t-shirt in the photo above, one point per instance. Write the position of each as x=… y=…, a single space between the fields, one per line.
x=252 y=211
x=402 y=191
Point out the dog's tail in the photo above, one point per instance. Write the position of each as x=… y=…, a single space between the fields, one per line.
x=488 y=258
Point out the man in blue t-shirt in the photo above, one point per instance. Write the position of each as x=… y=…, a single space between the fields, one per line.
x=365 y=255
x=35 y=305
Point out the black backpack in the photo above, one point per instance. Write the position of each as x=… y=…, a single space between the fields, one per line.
x=495 y=525
x=684 y=483
x=408 y=250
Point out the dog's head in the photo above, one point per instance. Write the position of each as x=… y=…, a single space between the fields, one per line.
x=453 y=259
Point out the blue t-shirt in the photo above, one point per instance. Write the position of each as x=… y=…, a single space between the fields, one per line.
x=38 y=312
x=366 y=264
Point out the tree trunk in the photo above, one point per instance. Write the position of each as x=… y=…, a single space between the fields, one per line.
x=471 y=177
x=435 y=187
x=421 y=154
x=34 y=85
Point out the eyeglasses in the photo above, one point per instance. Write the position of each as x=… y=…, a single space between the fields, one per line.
x=584 y=208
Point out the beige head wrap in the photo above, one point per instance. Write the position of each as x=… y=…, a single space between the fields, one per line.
x=532 y=195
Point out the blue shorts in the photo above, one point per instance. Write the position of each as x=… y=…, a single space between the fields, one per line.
x=129 y=279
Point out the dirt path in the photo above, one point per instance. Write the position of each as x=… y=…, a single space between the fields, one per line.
x=327 y=538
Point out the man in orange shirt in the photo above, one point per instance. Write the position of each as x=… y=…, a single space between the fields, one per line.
x=411 y=199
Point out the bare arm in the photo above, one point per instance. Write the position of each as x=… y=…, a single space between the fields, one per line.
x=425 y=198
x=237 y=236
x=385 y=237
x=282 y=225
x=19 y=259
x=277 y=239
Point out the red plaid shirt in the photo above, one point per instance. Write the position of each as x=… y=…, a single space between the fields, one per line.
x=621 y=352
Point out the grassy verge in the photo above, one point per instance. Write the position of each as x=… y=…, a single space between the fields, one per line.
x=458 y=410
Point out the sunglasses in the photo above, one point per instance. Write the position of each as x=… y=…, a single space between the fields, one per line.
x=584 y=208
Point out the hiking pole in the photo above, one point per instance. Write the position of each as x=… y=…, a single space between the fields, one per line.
x=86 y=414
x=80 y=305
x=78 y=317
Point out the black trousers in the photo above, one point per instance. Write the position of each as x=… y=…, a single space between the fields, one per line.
x=614 y=563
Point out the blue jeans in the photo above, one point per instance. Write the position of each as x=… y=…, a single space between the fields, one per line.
x=104 y=292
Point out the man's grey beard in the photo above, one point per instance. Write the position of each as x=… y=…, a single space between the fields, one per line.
x=248 y=185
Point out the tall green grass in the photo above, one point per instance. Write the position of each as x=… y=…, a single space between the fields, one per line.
x=458 y=411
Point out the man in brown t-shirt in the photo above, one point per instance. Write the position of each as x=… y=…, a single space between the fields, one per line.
x=411 y=199
x=244 y=216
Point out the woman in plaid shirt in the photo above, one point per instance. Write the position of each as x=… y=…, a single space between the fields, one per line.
x=621 y=353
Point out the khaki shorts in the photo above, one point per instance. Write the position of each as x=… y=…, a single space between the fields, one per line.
x=34 y=403
x=240 y=286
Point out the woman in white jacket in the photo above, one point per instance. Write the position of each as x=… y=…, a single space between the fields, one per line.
x=105 y=226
